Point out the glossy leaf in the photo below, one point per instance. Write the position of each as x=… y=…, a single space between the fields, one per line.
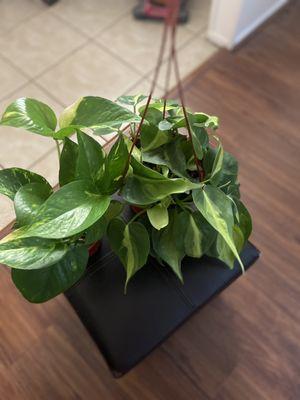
x=164 y=125
x=245 y=221
x=40 y=285
x=12 y=179
x=146 y=186
x=158 y=216
x=67 y=212
x=223 y=252
x=216 y=208
x=168 y=242
x=115 y=164
x=131 y=243
x=218 y=162
x=31 y=253
x=96 y=231
x=152 y=137
x=96 y=113
x=198 y=235
x=32 y=115
x=143 y=191
x=171 y=155
x=131 y=100
x=90 y=161
x=29 y=199
x=68 y=162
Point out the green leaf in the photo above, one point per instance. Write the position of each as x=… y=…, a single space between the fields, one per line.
x=131 y=243
x=227 y=175
x=168 y=242
x=218 y=162
x=164 y=125
x=69 y=211
x=96 y=113
x=115 y=164
x=96 y=231
x=32 y=115
x=245 y=221
x=90 y=162
x=216 y=208
x=40 y=285
x=28 y=200
x=31 y=253
x=131 y=100
x=146 y=186
x=12 y=179
x=68 y=162
x=143 y=191
x=64 y=132
x=170 y=155
x=223 y=252
x=158 y=216
x=198 y=236
x=152 y=137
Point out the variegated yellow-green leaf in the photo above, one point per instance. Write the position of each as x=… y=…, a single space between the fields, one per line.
x=32 y=115
x=216 y=208
x=158 y=216
x=131 y=243
x=67 y=212
x=29 y=199
x=31 y=253
x=96 y=113
x=40 y=285
x=198 y=234
x=12 y=179
x=168 y=243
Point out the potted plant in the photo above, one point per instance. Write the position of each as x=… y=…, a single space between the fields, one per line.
x=184 y=189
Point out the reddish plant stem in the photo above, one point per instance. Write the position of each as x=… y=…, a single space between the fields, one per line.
x=181 y=96
x=156 y=72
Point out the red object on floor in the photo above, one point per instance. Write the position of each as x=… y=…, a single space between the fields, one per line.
x=94 y=248
x=155 y=11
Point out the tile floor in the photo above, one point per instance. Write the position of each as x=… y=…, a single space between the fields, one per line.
x=74 y=48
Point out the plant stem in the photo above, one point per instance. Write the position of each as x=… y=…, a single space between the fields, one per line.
x=137 y=215
x=58 y=149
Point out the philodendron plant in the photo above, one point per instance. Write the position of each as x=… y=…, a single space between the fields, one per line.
x=178 y=212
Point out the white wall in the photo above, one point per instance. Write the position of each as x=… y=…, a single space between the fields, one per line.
x=231 y=21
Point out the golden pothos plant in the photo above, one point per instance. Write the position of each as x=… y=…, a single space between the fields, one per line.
x=180 y=212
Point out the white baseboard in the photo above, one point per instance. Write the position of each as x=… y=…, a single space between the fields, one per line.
x=226 y=37
x=257 y=22
x=219 y=40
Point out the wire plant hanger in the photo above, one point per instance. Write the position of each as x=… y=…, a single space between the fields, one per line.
x=170 y=28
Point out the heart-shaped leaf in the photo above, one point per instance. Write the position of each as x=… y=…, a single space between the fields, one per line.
x=12 y=179
x=68 y=162
x=131 y=243
x=40 y=285
x=158 y=216
x=216 y=208
x=71 y=210
x=96 y=231
x=171 y=155
x=168 y=243
x=115 y=164
x=28 y=200
x=198 y=235
x=90 y=162
x=32 y=115
x=96 y=113
x=131 y=100
x=31 y=253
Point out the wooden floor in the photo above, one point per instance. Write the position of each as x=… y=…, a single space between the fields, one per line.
x=245 y=345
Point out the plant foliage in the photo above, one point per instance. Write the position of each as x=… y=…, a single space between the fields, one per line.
x=179 y=213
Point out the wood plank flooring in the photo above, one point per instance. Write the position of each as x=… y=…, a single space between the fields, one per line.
x=245 y=345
